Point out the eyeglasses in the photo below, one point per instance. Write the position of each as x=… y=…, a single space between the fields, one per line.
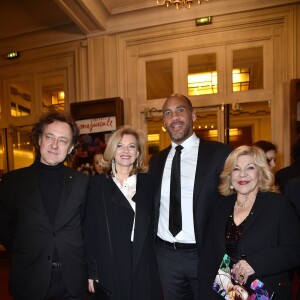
x=61 y=141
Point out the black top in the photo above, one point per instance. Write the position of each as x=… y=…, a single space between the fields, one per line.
x=50 y=182
x=233 y=235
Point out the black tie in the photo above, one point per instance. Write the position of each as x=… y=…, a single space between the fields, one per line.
x=175 y=222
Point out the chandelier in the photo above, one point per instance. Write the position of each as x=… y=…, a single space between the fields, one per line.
x=178 y=3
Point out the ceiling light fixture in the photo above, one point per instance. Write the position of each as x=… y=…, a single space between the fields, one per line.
x=178 y=3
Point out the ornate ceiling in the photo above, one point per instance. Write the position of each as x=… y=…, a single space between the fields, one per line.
x=90 y=17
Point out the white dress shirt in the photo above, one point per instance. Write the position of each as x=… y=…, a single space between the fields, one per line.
x=128 y=189
x=189 y=156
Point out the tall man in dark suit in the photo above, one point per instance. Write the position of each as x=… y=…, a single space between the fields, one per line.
x=283 y=175
x=41 y=210
x=201 y=163
x=291 y=189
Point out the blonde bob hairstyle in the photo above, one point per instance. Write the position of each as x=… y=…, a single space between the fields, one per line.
x=111 y=148
x=266 y=177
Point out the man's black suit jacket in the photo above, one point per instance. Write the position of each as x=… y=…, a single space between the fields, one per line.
x=283 y=175
x=211 y=158
x=26 y=232
x=292 y=190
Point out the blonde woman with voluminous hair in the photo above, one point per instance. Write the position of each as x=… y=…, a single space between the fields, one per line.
x=266 y=182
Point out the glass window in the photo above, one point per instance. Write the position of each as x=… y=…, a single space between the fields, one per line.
x=248 y=71
x=23 y=151
x=53 y=93
x=20 y=97
x=206 y=124
x=249 y=122
x=159 y=78
x=202 y=74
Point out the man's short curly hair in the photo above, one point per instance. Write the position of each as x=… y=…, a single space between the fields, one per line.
x=49 y=118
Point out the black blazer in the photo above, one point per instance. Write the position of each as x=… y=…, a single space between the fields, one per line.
x=292 y=190
x=283 y=175
x=129 y=271
x=26 y=232
x=211 y=158
x=270 y=243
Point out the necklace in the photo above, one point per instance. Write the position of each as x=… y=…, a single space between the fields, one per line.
x=240 y=204
x=244 y=204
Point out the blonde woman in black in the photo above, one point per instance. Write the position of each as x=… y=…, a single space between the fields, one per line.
x=254 y=225
x=119 y=222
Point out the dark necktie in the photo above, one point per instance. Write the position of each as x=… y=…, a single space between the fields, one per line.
x=175 y=222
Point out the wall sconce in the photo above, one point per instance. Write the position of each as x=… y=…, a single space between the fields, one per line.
x=236 y=107
x=178 y=3
x=12 y=55
x=149 y=113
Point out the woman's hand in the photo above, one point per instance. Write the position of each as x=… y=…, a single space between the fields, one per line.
x=241 y=271
x=91 y=286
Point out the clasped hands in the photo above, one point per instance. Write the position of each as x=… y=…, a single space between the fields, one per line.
x=241 y=271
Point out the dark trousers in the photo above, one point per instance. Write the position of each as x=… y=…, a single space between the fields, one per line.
x=57 y=290
x=178 y=272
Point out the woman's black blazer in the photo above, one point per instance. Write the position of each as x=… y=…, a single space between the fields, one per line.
x=270 y=243
x=129 y=270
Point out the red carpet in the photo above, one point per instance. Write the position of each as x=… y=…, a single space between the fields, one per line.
x=4 y=270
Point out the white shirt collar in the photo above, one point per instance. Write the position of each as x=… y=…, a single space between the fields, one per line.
x=187 y=144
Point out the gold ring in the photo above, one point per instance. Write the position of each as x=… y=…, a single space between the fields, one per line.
x=242 y=276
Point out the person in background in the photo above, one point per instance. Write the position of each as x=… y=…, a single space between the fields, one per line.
x=86 y=170
x=252 y=224
x=118 y=227
x=201 y=164
x=97 y=163
x=283 y=175
x=41 y=211
x=270 y=151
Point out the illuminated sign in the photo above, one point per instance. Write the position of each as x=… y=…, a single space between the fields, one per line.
x=12 y=55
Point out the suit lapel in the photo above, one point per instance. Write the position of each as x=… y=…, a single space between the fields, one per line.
x=118 y=197
x=201 y=170
x=142 y=220
x=225 y=210
x=161 y=161
x=258 y=207
x=32 y=188
x=68 y=182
